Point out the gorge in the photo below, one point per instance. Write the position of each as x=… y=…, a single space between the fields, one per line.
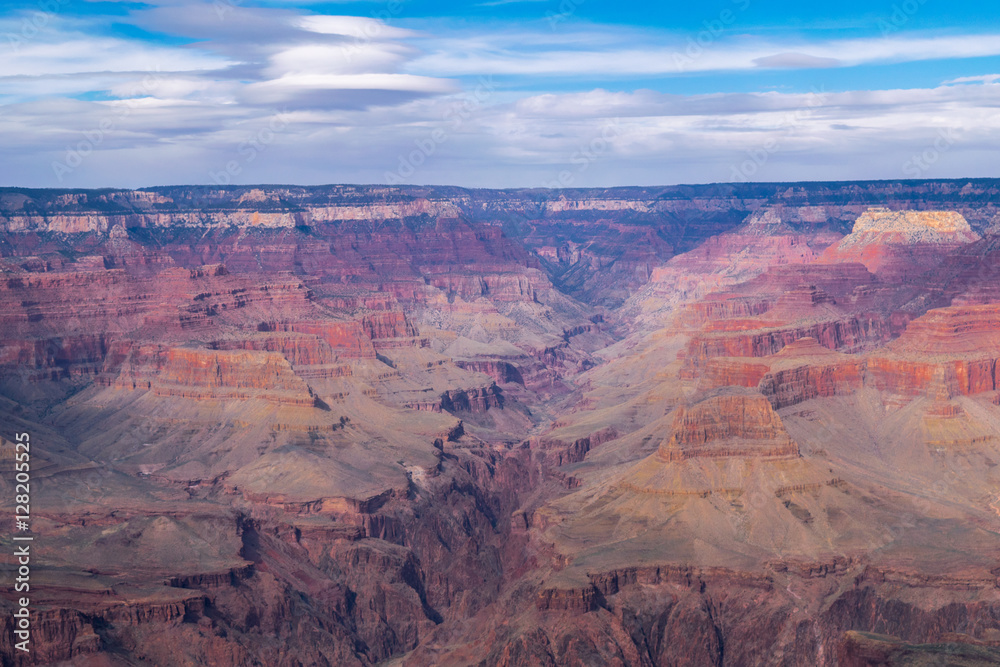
x=751 y=424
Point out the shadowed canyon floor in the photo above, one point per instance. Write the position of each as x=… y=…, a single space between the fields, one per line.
x=704 y=425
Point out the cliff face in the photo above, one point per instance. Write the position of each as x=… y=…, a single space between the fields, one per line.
x=205 y=375
x=947 y=352
x=900 y=244
x=851 y=335
x=640 y=426
x=345 y=339
x=801 y=371
x=600 y=246
x=960 y=330
x=725 y=426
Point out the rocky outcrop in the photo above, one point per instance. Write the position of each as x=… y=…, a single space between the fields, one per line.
x=948 y=352
x=475 y=400
x=578 y=600
x=898 y=245
x=298 y=349
x=706 y=617
x=959 y=330
x=689 y=576
x=801 y=371
x=501 y=288
x=849 y=335
x=502 y=372
x=57 y=634
x=907 y=377
x=347 y=339
x=880 y=225
x=864 y=649
x=733 y=372
x=83 y=322
x=731 y=424
x=787 y=387
x=558 y=452
x=215 y=375
x=393 y=324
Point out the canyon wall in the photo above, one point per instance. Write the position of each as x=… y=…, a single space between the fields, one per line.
x=351 y=425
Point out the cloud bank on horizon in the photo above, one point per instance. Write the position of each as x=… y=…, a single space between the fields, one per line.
x=504 y=93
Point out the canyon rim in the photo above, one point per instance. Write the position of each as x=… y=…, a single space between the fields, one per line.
x=344 y=425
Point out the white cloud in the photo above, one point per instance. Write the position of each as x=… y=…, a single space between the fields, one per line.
x=61 y=54
x=986 y=78
x=354 y=26
x=600 y=53
x=499 y=3
x=334 y=90
x=656 y=138
x=338 y=59
x=795 y=60
x=357 y=96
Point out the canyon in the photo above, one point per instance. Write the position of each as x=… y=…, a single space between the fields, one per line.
x=717 y=425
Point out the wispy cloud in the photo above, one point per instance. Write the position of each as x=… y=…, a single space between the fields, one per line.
x=662 y=138
x=794 y=60
x=985 y=78
x=354 y=93
x=596 y=52
x=499 y=3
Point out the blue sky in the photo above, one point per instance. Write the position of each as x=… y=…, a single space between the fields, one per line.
x=500 y=93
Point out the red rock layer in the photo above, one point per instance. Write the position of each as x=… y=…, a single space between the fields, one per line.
x=851 y=334
x=801 y=371
x=476 y=400
x=959 y=330
x=559 y=452
x=732 y=372
x=501 y=371
x=298 y=349
x=392 y=324
x=70 y=323
x=728 y=425
x=792 y=386
x=947 y=352
x=945 y=379
x=207 y=374
x=346 y=339
x=813 y=379
x=901 y=245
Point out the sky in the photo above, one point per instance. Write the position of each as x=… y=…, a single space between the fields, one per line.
x=495 y=93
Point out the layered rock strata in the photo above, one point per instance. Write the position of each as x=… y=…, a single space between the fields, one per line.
x=728 y=425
